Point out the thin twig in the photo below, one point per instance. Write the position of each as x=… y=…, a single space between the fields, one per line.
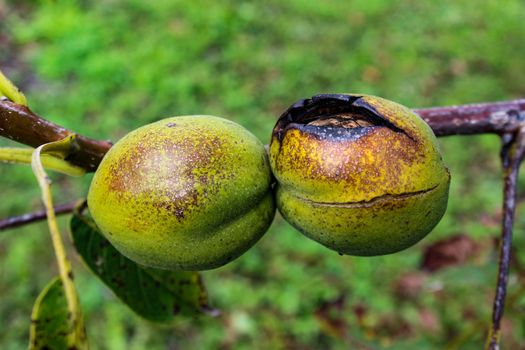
x=512 y=154
x=28 y=218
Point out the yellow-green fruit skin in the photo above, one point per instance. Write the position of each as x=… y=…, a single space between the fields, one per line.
x=364 y=191
x=188 y=193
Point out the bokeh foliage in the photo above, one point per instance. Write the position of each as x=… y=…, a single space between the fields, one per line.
x=104 y=68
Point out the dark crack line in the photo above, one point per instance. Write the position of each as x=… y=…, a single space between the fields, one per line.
x=368 y=203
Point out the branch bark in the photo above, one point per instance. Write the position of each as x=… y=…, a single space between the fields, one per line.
x=20 y=124
x=480 y=118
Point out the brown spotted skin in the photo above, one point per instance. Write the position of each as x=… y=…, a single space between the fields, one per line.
x=190 y=193
x=374 y=188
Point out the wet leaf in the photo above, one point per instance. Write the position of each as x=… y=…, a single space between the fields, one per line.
x=51 y=324
x=157 y=295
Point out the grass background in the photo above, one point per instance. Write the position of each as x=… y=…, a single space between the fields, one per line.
x=105 y=68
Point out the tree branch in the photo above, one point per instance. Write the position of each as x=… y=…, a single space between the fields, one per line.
x=20 y=124
x=480 y=118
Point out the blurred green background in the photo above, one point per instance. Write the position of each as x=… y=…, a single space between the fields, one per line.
x=104 y=68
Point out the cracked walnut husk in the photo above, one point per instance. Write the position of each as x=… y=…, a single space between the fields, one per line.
x=359 y=174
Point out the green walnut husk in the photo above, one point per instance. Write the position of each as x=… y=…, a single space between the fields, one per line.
x=359 y=174
x=189 y=193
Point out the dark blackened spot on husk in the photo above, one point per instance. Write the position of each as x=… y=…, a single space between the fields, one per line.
x=331 y=133
x=334 y=117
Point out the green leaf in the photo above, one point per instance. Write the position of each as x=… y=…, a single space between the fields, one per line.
x=157 y=295
x=51 y=324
